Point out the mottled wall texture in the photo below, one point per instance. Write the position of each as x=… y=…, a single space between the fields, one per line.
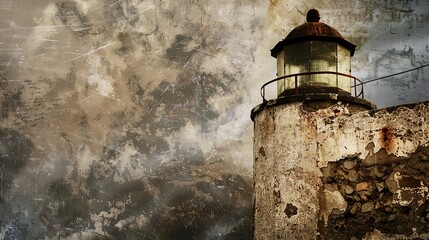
x=129 y=119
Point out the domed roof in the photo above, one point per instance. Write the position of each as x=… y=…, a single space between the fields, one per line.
x=313 y=30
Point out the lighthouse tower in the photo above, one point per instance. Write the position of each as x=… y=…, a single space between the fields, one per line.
x=327 y=164
x=314 y=81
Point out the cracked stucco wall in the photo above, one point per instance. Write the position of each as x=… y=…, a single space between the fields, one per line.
x=332 y=173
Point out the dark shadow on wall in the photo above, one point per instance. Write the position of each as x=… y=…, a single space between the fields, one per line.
x=172 y=203
x=15 y=151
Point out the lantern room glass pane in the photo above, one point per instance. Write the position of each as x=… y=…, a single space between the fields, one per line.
x=323 y=57
x=297 y=60
x=280 y=71
x=344 y=66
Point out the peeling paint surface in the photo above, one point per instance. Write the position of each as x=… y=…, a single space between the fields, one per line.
x=129 y=119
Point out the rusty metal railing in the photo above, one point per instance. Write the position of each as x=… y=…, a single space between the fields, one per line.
x=294 y=77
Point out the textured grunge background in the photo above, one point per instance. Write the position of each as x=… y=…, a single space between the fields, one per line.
x=129 y=119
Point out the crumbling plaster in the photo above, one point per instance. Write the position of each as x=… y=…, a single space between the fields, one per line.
x=399 y=131
x=332 y=165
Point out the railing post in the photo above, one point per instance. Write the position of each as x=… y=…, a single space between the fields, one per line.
x=284 y=83
x=296 y=85
x=336 y=76
x=263 y=93
x=355 y=86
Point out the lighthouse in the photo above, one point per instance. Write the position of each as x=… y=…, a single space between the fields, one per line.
x=327 y=163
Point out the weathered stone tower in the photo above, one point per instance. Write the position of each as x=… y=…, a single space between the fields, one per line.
x=327 y=165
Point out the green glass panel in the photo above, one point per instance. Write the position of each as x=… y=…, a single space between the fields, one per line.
x=323 y=57
x=297 y=60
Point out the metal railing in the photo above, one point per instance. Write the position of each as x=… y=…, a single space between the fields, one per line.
x=355 y=80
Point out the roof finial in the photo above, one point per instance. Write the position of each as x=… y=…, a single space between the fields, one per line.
x=313 y=15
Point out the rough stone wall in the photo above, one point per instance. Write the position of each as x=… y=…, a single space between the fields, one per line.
x=331 y=174
x=377 y=165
